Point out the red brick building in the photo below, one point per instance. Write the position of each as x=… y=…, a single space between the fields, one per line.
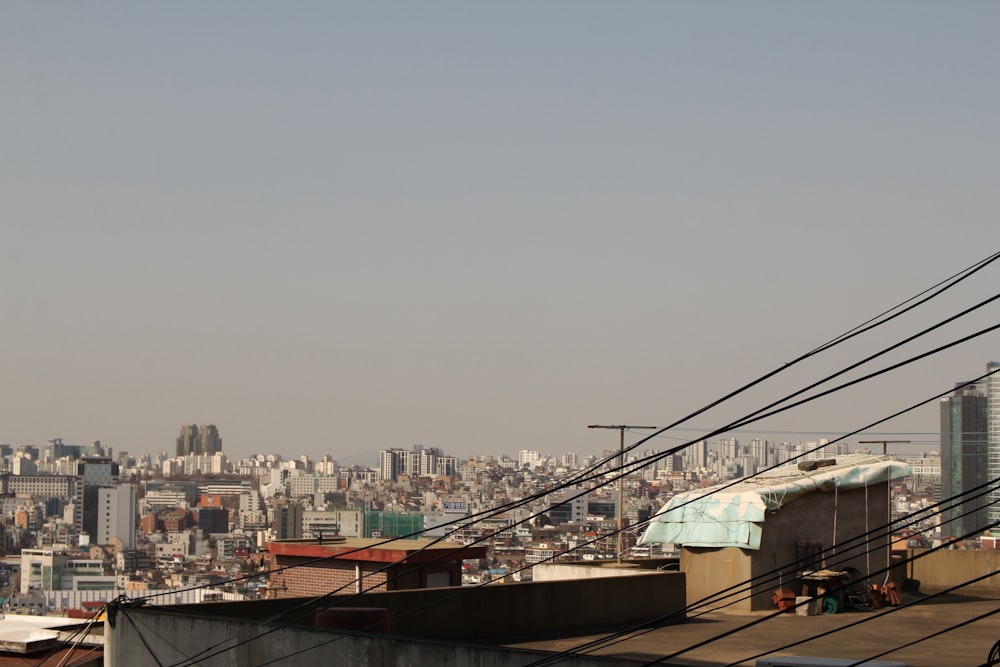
x=150 y=523
x=176 y=520
x=357 y=564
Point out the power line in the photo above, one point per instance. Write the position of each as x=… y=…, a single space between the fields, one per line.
x=872 y=323
x=947 y=284
x=73 y=641
x=868 y=426
x=122 y=608
x=125 y=611
x=762 y=413
x=869 y=325
x=745 y=421
x=621 y=481
x=854 y=332
x=770 y=616
x=944 y=347
x=550 y=659
x=932 y=398
x=710 y=602
x=962 y=624
x=988 y=374
x=607 y=481
x=890 y=610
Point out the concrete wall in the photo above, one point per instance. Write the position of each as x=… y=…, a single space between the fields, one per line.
x=497 y=612
x=945 y=568
x=172 y=638
x=424 y=624
x=818 y=516
x=508 y=612
x=710 y=570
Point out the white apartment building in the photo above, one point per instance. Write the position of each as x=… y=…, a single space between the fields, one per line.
x=528 y=458
x=215 y=464
x=41 y=569
x=348 y=523
x=327 y=466
x=165 y=499
x=54 y=570
x=310 y=485
x=45 y=486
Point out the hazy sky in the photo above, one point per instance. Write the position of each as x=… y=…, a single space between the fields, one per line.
x=340 y=227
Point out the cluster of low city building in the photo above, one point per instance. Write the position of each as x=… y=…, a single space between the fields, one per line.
x=81 y=523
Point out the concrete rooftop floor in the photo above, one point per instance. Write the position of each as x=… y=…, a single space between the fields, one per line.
x=967 y=646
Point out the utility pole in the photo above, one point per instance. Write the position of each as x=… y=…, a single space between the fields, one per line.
x=621 y=480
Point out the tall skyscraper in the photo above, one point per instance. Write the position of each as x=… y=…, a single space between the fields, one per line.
x=964 y=456
x=203 y=440
x=993 y=435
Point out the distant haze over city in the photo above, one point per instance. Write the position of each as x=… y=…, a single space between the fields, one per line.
x=484 y=227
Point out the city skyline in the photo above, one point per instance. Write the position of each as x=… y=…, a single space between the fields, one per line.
x=647 y=438
x=723 y=446
x=482 y=228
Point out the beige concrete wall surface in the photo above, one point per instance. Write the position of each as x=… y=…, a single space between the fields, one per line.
x=504 y=612
x=496 y=612
x=945 y=568
x=710 y=570
x=170 y=638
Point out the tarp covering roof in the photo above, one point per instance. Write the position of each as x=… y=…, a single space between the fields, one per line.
x=731 y=516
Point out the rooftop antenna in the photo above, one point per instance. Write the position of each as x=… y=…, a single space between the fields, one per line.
x=621 y=480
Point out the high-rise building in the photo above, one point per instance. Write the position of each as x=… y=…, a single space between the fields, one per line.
x=427 y=460
x=116 y=514
x=288 y=521
x=696 y=455
x=758 y=450
x=390 y=464
x=964 y=460
x=447 y=466
x=93 y=474
x=326 y=467
x=992 y=435
x=187 y=440
x=203 y=440
x=729 y=448
x=213 y=520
